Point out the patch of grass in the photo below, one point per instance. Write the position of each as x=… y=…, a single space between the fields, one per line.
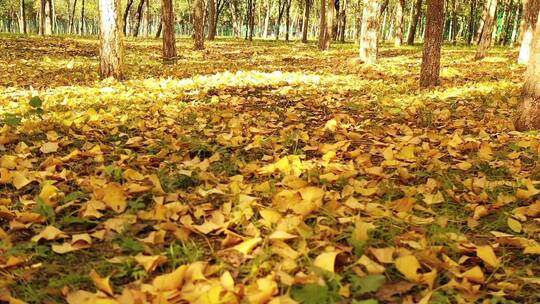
x=172 y=183
x=491 y=172
x=183 y=253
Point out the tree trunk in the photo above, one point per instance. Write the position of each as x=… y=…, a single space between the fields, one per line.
x=454 y=27
x=138 y=18
x=22 y=18
x=343 y=22
x=369 y=31
x=287 y=19
x=528 y=112
x=52 y=16
x=384 y=6
x=281 y=10
x=110 y=37
x=487 y=32
x=528 y=24
x=72 y=17
x=251 y=20
x=431 y=55
x=48 y=18
x=211 y=19
x=169 y=40
x=198 y=23
x=414 y=22
x=485 y=15
x=305 y=21
x=507 y=24
x=515 y=26
x=267 y=18
x=126 y=14
x=400 y=5
x=42 y=4
x=83 y=22
x=159 y=29
x=235 y=16
x=472 y=15
x=327 y=16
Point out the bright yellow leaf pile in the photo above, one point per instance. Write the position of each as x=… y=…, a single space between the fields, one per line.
x=264 y=173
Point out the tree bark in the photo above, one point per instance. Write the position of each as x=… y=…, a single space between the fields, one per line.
x=431 y=55
x=159 y=29
x=383 y=8
x=235 y=16
x=287 y=19
x=211 y=19
x=267 y=18
x=138 y=18
x=48 y=18
x=305 y=20
x=72 y=18
x=169 y=40
x=198 y=24
x=369 y=31
x=22 y=18
x=528 y=112
x=528 y=24
x=42 y=4
x=487 y=31
x=251 y=19
x=507 y=24
x=126 y=14
x=281 y=10
x=472 y=19
x=83 y=22
x=515 y=26
x=414 y=22
x=327 y=16
x=343 y=20
x=400 y=5
x=454 y=22
x=110 y=37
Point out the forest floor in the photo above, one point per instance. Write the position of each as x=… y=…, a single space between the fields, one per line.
x=264 y=171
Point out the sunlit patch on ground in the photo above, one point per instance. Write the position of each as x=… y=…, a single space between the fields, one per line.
x=250 y=172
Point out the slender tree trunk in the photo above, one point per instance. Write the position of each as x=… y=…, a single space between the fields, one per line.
x=472 y=18
x=414 y=22
x=485 y=16
x=507 y=25
x=198 y=23
x=83 y=22
x=72 y=18
x=281 y=10
x=528 y=24
x=159 y=29
x=211 y=19
x=287 y=19
x=169 y=40
x=138 y=18
x=267 y=18
x=22 y=18
x=343 y=22
x=305 y=21
x=52 y=16
x=487 y=32
x=236 y=18
x=528 y=112
x=42 y=4
x=48 y=18
x=400 y=5
x=251 y=20
x=126 y=14
x=110 y=37
x=515 y=26
x=369 y=31
x=383 y=8
x=146 y=19
x=327 y=16
x=431 y=55
x=454 y=21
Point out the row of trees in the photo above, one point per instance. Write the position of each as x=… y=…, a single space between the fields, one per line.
x=272 y=18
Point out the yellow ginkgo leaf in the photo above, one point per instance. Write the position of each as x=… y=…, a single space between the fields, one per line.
x=49 y=147
x=326 y=260
x=281 y=235
x=19 y=180
x=514 y=225
x=113 y=196
x=408 y=265
x=49 y=233
x=150 y=263
x=102 y=283
x=474 y=274
x=248 y=245
x=171 y=280
x=487 y=255
x=48 y=194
